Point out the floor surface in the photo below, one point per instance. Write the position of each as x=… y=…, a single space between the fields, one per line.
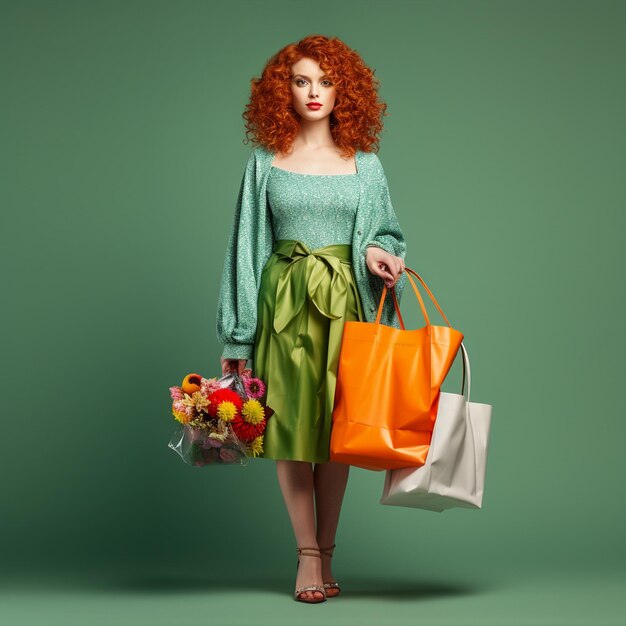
x=161 y=598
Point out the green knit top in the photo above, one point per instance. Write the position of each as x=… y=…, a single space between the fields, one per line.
x=317 y=209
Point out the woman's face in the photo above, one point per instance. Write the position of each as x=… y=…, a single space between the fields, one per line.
x=310 y=85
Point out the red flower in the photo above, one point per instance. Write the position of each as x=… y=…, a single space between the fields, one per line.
x=221 y=395
x=246 y=431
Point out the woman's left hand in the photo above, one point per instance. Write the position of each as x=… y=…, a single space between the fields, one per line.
x=385 y=265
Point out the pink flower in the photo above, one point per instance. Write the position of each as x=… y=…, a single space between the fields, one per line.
x=208 y=386
x=176 y=393
x=255 y=387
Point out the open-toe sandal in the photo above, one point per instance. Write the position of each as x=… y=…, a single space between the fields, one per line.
x=332 y=589
x=301 y=590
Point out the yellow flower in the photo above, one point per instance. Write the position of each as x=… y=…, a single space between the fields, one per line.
x=255 y=447
x=181 y=416
x=253 y=412
x=226 y=411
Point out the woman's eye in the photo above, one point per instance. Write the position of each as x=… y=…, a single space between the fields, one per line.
x=301 y=80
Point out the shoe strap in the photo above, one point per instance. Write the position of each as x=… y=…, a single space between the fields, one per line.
x=312 y=552
x=326 y=550
x=319 y=588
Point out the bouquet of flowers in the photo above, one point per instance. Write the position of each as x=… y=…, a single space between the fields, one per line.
x=221 y=421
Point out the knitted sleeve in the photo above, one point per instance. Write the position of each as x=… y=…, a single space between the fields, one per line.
x=388 y=234
x=248 y=249
x=384 y=232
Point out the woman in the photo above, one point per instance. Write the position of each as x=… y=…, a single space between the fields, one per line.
x=313 y=239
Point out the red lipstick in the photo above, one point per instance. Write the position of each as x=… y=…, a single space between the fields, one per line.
x=314 y=105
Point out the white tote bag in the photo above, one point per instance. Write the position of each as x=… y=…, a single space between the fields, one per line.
x=454 y=472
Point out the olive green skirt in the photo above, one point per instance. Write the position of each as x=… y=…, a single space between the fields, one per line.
x=305 y=296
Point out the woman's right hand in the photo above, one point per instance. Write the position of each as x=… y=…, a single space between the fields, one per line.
x=233 y=364
x=385 y=265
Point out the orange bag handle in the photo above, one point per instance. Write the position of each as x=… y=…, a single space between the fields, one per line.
x=419 y=297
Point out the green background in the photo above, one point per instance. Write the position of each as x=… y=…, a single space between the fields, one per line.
x=122 y=154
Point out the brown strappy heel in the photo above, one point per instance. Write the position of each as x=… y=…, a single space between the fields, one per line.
x=320 y=588
x=333 y=587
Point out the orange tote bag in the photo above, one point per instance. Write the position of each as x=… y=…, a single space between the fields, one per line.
x=387 y=391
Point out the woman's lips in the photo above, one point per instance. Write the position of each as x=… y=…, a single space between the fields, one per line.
x=315 y=105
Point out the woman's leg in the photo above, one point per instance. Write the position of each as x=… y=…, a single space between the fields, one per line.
x=296 y=482
x=330 y=480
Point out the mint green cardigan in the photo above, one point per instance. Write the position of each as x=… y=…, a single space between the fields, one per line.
x=251 y=241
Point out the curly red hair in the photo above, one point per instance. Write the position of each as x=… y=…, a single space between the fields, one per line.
x=356 y=119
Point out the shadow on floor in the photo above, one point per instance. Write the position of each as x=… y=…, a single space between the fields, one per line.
x=181 y=583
